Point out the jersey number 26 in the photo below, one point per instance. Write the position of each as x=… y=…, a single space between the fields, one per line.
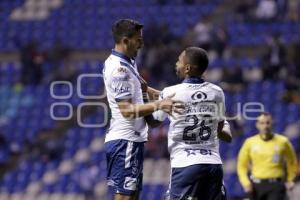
x=204 y=131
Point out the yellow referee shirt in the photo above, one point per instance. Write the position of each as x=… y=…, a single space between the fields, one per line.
x=266 y=159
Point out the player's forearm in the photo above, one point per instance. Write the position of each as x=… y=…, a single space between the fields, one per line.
x=225 y=136
x=153 y=93
x=145 y=109
x=131 y=111
x=224 y=132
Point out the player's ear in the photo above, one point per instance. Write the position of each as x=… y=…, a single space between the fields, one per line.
x=256 y=125
x=187 y=68
x=125 y=40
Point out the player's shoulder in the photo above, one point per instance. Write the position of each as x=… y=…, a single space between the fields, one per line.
x=171 y=89
x=252 y=139
x=281 y=137
x=112 y=62
x=113 y=65
x=212 y=86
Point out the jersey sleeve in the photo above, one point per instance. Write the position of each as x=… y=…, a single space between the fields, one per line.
x=243 y=161
x=221 y=105
x=121 y=86
x=160 y=115
x=291 y=161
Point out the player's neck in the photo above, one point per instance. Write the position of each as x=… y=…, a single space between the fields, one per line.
x=266 y=137
x=121 y=50
x=193 y=80
x=193 y=76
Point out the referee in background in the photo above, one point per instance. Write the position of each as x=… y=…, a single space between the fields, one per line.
x=271 y=160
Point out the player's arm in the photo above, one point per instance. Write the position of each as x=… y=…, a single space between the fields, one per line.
x=130 y=110
x=224 y=132
x=157 y=118
x=122 y=89
x=149 y=118
x=150 y=93
x=243 y=161
x=153 y=94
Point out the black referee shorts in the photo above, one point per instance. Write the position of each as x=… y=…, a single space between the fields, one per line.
x=268 y=191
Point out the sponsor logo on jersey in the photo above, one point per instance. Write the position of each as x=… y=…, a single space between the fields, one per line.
x=120 y=74
x=122 y=90
x=122 y=70
x=203 y=152
x=199 y=95
x=197 y=86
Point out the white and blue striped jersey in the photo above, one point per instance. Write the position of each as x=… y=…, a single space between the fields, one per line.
x=193 y=136
x=121 y=80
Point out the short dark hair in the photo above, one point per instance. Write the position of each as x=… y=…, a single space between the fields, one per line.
x=125 y=28
x=264 y=114
x=198 y=57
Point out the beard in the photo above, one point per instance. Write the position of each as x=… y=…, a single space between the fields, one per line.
x=135 y=53
x=179 y=74
x=266 y=134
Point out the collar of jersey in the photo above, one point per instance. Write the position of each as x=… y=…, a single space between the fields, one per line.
x=193 y=80
x=128 y=62
x=121 y=55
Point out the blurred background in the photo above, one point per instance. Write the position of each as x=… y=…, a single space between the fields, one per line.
x=252 y=45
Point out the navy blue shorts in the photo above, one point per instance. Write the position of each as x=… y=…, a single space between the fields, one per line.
x=125 y=166
x=198 y=182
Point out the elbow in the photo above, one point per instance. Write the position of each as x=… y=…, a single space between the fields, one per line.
x=128 y=114
x=228 y=140
x=226 y=137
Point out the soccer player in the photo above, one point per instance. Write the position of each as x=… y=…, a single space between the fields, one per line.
x=273 y=163
x=225 y=136
x=124 y=141
x=193 y=137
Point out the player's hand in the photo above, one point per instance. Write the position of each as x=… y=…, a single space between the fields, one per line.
x=289 y=185
x=144 y=85
x=169 y=105
x=248 y=189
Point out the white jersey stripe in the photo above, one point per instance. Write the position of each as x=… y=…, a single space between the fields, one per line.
x=128 y=154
